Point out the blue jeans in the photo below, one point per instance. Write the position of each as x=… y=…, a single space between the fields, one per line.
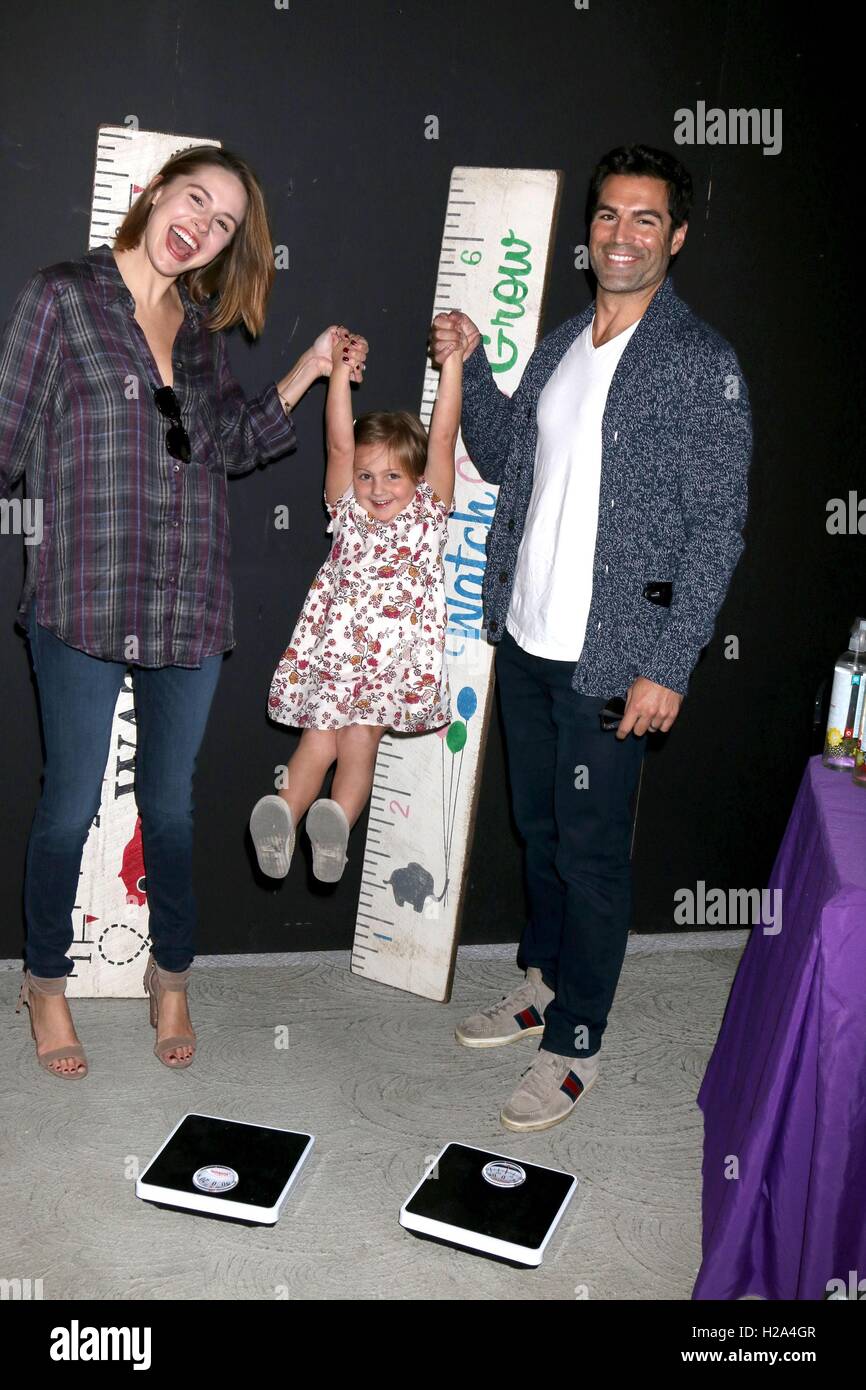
x=77 y=696
x=577 y=840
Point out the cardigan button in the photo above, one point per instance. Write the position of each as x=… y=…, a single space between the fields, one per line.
x=511 y=523
x=493 y=624
x=503 y=576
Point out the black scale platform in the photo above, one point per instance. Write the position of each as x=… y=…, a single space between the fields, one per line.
x=489 y=1203
x=220 y=1167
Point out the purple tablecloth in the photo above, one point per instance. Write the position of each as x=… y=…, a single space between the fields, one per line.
x=785 y=1090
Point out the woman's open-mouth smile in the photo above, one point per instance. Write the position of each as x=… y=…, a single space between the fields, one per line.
x=180 y=243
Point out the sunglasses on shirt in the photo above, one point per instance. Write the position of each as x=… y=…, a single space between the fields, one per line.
x=177 y=439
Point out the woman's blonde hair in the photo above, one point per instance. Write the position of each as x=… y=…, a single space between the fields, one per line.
x=243 y=273
x=402 y=432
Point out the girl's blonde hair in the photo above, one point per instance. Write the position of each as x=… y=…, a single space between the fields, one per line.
x=402 y=432
x=243 y=273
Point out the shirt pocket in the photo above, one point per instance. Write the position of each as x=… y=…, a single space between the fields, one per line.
x=203 y=428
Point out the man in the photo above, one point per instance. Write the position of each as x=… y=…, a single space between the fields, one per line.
x=622 y=462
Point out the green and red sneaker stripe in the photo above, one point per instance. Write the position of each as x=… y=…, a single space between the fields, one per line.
x=529 y=1018
x=572 y=1086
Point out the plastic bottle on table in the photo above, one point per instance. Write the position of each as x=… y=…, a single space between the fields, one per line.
x=858 y=776
x=846 y=702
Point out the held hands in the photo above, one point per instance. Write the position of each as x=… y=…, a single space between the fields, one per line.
x=649 y=708
x=349 y=352
x=452 y=332
x=335 y=344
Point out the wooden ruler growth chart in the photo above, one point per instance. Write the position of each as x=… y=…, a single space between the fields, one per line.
x=493 y=265
x=110 y=917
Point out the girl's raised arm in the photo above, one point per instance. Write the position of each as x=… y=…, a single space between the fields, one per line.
x=442 y=437
x=349 y=353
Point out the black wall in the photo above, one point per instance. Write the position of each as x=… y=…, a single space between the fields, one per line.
x=328 y=102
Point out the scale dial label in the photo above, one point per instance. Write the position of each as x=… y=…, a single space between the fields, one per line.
x=215 y=1177
x=503 y=1173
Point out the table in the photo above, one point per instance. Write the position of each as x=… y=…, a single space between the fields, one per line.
x=784 y=1093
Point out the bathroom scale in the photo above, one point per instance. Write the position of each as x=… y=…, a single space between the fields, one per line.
x=489 y=1203
x=225 y=1168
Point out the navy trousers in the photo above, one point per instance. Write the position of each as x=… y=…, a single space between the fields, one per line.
x=572 y=787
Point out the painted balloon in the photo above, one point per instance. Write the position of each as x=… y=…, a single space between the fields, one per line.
x=456 y=736
x=467 y=702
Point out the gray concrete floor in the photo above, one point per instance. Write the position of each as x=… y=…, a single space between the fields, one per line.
x=377 y=1077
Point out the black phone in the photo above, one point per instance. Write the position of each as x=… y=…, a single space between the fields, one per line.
x=612 y=714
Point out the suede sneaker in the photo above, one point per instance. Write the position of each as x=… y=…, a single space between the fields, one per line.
x=548 y=1091
x=519 y=1014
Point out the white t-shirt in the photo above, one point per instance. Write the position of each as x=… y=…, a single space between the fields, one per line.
x=553 y=580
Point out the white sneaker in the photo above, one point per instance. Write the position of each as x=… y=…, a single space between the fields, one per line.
x=273 y=833
x=328 y=828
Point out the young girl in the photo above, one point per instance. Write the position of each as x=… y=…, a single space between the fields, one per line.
x=367 y=653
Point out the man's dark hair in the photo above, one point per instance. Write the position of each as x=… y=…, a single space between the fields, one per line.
x=650 y=163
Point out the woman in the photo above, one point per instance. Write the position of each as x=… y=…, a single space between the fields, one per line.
x=119 y=403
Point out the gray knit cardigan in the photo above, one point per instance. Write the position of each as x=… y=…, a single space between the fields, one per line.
x=676 y=447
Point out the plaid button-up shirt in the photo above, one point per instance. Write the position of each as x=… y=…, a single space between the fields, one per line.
x=133 y=563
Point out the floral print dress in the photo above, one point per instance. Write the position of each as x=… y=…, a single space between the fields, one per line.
x=369 y=645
